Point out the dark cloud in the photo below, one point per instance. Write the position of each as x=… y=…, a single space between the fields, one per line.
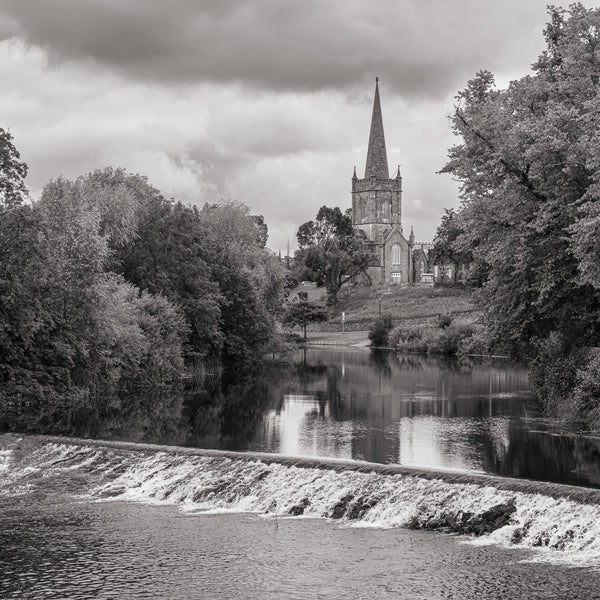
x=419 y=48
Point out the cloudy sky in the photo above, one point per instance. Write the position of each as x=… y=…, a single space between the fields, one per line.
x=267 y=102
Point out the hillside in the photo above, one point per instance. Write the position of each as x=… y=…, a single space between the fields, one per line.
x=361 y=304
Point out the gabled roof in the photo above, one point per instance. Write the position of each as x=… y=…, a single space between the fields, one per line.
x=395 y=229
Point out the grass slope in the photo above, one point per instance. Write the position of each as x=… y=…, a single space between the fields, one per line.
x=361 y=303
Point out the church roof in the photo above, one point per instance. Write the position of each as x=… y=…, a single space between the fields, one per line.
x=377 y=165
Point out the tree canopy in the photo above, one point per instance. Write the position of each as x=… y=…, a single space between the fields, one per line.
x=529 y=165
x=106 y=288
x=331 y=251
x=302 y=312
x=445 y=248
x=12 y=173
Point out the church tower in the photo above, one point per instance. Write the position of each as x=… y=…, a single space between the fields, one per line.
x=377 y=210
x=376 y=199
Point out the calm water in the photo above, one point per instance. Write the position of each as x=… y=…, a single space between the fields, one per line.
x=388 y=408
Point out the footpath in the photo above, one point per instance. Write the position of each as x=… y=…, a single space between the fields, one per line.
x=358 y=339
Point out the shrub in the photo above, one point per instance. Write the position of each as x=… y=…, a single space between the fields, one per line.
x=585 y=398
x=444 y=321
x=553 y=374
x=452 y=339
x=380 y=330
x=407 y=339
x=474 y=339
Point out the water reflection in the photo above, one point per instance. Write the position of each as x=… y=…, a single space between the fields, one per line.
x=406 y=409
x=388 y=408
x=379 y=407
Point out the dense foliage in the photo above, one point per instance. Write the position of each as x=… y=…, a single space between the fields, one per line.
x=331 y=252
x=445 y=249
x=380 y=330
x=529 y=163
x=302 y=312
x=12 y=173
x=106 y=288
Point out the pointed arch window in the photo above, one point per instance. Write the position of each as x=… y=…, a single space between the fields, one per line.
x=396 y=254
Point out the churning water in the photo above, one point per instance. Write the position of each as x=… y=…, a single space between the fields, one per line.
x=96 y=520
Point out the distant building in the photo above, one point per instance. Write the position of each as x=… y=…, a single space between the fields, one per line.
x=377 y=212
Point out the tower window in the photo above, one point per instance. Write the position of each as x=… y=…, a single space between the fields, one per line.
x=396 y=254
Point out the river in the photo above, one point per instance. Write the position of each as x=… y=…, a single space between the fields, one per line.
x=466 y=494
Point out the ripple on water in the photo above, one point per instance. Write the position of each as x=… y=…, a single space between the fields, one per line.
x=124 y=550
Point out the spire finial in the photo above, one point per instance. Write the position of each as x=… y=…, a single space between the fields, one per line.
x=354 y=176
x=376 y=79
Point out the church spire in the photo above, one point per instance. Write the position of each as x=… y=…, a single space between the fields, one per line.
x=377 y=165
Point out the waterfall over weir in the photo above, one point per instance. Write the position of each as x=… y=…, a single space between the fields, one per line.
x=564 y=521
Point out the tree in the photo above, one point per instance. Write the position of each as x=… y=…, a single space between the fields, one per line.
x=331 y=251
x=446 y=243
x=12 y=173
x=529 y=165
x=303 y=312
x=73 y=336
x=250 y=279
x=169 y=257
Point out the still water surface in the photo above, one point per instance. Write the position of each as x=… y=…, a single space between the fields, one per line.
x=407 y=409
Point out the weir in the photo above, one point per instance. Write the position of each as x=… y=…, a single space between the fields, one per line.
x=563 y=520
x=526 y=486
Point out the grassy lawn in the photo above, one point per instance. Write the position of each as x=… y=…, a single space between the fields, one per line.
x=361 y=303
x=338 y=338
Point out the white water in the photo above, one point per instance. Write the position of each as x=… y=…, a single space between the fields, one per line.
x=4 y=460
x=562 y=530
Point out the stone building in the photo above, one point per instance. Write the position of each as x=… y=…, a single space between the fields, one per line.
x=377 y=212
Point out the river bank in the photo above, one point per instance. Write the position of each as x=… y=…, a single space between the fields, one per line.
x=358 y=339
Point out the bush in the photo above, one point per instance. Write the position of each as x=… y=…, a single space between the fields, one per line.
x=553 y=374
x=380 y=330
x=442 y=341
x=444 y=321
x=566 y=381
x=451 y=339
x=474 y=339
x=585 y=398
x=407 y=339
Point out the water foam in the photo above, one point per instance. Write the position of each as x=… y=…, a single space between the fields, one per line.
x=563 y=528
x=5 y=456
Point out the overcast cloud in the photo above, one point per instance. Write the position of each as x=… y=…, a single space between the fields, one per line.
x=267 y=102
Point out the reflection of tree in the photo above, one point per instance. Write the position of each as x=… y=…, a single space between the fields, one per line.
x=380 y=359
x=230 y=417
x=152 y=416
x=541 y=455
x=308 y=373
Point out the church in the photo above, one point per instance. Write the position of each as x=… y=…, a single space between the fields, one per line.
x=377 y=213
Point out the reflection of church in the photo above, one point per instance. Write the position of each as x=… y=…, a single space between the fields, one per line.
x=377 y=212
